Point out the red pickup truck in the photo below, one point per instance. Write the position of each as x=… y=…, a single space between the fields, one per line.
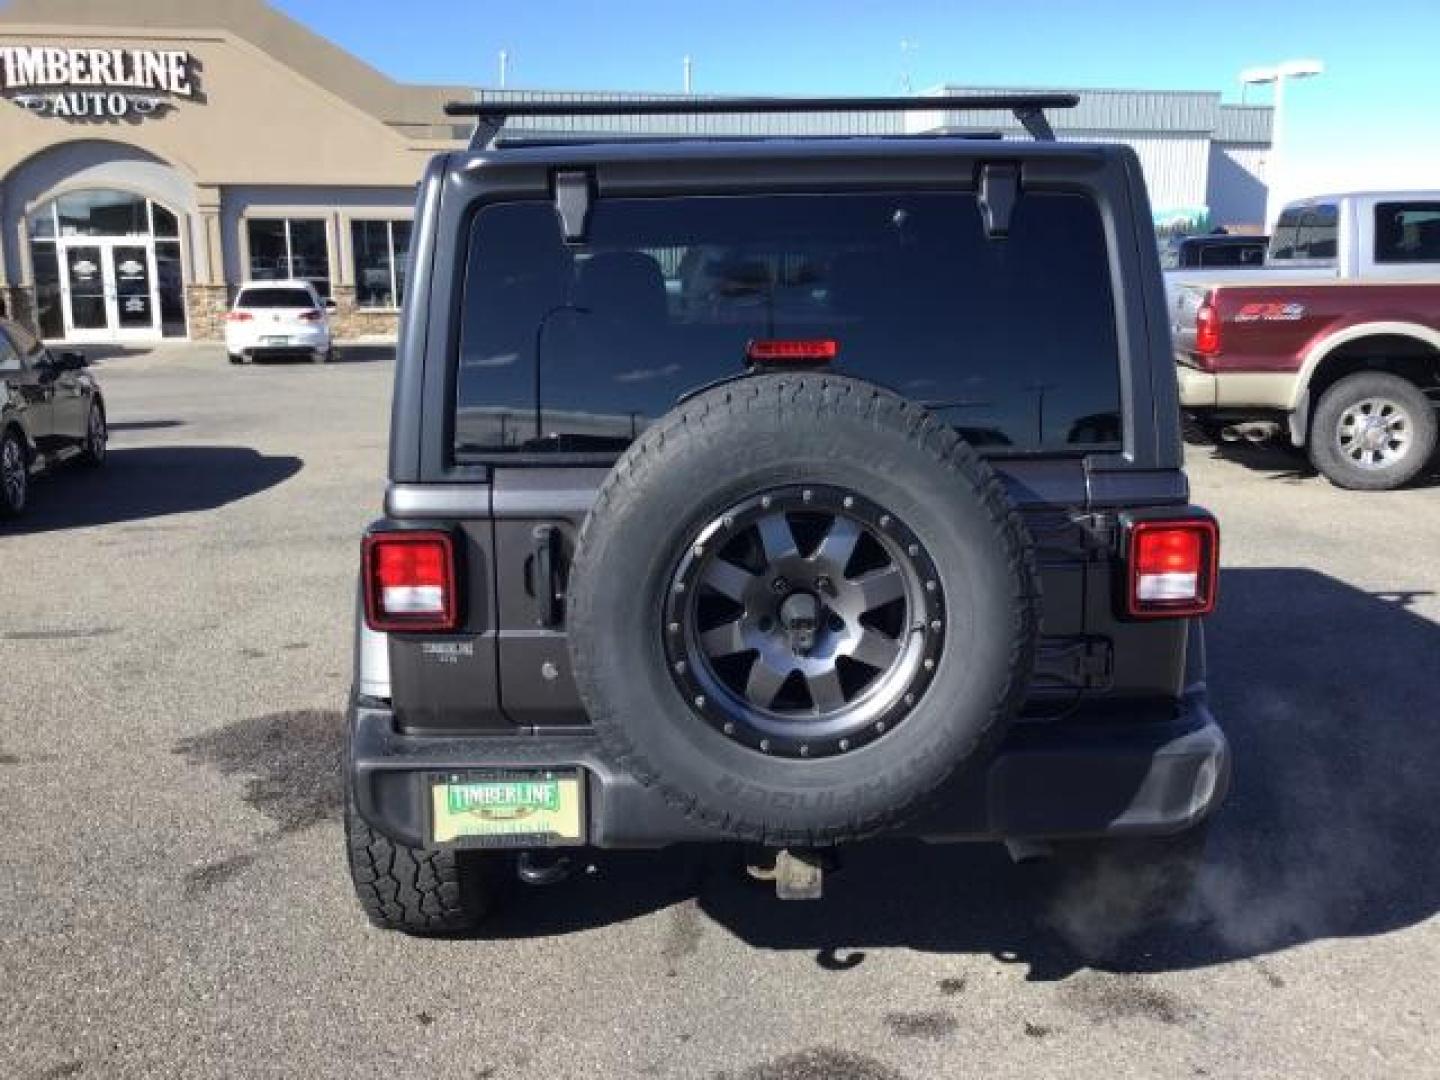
x=1343 y=359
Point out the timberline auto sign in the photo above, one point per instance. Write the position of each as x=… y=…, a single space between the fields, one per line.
x=94 y=83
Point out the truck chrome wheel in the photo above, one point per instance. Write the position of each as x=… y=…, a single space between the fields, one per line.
x=1374 y=433
x=804 y=621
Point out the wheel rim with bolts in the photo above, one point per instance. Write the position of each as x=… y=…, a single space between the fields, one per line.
x=804 y=621
x=1374 y=433
x=12 y=471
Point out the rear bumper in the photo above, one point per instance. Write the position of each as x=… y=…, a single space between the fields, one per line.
x=311 y=340
x=1198 y=389
x=1045 y=782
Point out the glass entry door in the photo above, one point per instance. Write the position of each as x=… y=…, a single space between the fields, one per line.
x=109 y=290
x=134 y=287
x=84 y=266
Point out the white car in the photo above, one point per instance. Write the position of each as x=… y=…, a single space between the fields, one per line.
x=279 y=318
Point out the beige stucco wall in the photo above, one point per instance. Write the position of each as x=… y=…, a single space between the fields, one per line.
x=253 y=120
x=263 y=135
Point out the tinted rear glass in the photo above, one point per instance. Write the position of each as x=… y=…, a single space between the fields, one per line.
x=1305 y=232
x=1211 y=255
x=275 y=298
x=578 y=348
x=1407 y=232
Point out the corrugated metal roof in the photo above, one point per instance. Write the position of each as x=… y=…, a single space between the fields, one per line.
x=1245 y=124
x=1099 y=113
x=1110 y=111
x=758 y=124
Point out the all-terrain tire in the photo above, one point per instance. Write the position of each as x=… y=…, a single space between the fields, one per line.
x=415 y=890
x=1326 y=453
x=734 y=443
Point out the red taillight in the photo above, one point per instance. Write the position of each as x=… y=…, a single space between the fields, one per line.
x=410 y=582
x=791 y=350
x=238 y=316
x=1173 y=567
x=313 y=315
x=1207 y=329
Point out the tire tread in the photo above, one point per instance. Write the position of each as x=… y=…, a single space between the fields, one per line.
x=882 y=409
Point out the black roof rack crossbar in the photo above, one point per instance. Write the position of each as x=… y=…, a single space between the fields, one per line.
x=1029 y=109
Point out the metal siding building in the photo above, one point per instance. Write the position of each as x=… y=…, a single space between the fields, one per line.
x=1203 y=160
x=133 y=204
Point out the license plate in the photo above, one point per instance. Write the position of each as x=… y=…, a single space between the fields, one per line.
x=274 y=341
x=508 y=809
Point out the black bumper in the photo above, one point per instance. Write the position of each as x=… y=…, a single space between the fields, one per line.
x=1045 y=781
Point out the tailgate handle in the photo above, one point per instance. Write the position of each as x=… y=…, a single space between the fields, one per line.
x=547 y=584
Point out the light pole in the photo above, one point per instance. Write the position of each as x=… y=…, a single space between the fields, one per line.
x=1277 y=74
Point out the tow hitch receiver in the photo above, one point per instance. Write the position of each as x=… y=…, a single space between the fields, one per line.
x=798 y=873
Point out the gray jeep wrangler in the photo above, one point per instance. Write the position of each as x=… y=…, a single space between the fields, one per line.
x=784 y=491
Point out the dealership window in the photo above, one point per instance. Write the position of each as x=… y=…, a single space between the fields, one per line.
x=382 y=250
x=1407 y=232
x=282 y=248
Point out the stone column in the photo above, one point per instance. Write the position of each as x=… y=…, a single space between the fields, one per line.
x=206 y=295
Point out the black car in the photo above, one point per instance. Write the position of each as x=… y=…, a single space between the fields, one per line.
x=788 y=491
x=1214 y=251
x=51 y=410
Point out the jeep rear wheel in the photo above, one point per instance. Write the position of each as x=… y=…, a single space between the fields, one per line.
x=799 y=604
x=1372 y=432
x=416 y=890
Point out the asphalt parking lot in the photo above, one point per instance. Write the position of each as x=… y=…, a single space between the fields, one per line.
x=175 y=640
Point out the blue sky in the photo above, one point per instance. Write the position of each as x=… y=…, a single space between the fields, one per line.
x=1372 y=120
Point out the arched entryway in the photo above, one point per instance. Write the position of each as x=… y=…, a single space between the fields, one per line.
x=107 y=267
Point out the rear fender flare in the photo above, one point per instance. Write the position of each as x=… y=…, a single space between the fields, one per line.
x=1321 y=350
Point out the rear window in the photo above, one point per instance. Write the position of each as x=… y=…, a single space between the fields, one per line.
x=1218 y=255
x=577 y=348
x=1407 y=232
x=275 y=298
x=1305 y=232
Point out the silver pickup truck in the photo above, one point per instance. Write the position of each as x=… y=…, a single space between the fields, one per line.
x=1371 y=235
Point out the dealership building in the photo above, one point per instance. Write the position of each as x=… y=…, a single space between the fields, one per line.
x=157 y=153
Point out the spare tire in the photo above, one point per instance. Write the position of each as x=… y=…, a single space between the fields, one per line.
x=799 y=604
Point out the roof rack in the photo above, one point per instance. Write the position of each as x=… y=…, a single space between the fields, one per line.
x=1029 y=109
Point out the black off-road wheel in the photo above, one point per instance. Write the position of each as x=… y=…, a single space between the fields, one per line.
x=798 y=606
x=417 y=890
x=14 y=475
x=1372 y=432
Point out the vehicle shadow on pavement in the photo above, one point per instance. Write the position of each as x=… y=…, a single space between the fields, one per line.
x=344 y=354
x=1287 y=463
x=147 y=482
x=1330 y=698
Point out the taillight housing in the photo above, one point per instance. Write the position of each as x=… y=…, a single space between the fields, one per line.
x=1207 y=328
x=410 y=582
x=238 y=316
x=1173 y=567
